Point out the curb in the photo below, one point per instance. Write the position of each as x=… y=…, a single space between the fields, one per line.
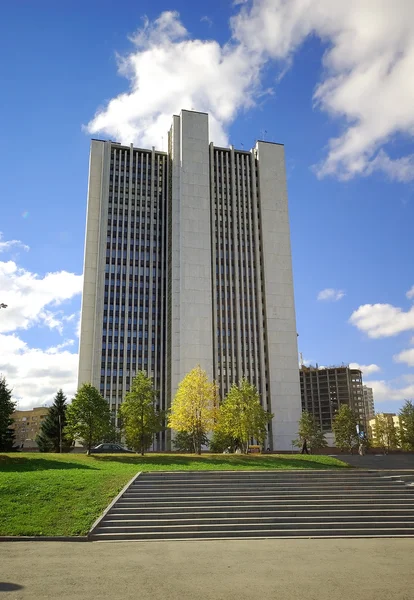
x=43 y=538
x=108 y=508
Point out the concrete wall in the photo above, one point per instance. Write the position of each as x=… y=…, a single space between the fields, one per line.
x=280 y=316
x=192 y=327
x=93 y=270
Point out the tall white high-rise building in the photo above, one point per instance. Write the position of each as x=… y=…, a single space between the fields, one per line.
x=188 y=261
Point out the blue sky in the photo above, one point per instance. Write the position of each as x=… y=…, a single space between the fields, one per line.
x=331 y=81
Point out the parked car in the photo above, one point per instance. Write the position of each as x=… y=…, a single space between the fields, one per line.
x=110 y=448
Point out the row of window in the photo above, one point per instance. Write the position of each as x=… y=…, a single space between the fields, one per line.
x=123 y=193
x=141 y=309
x=121 y=245
x=130 y=212
x=137 y=234
x=143 y=270
x=114 y=346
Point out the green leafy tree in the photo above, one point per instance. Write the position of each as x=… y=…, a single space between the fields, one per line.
x=88 y=417
x=52 y=437
x=194 y=408
x=406 y=432
x=44 y=444
x=141 y=421
x=113 y=435
x=7 y=408
x=310 y=432
x=241 y=415
x=345 y=429
x=184 y=441
x=222 y=441
x=385 y=434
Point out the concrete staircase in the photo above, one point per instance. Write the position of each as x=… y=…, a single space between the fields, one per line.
x=261 y=504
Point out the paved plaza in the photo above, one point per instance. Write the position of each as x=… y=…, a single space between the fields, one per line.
x=379 y=461
x=360 y=569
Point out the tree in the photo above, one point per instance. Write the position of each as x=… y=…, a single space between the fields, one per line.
x=184 y=441
x=385 y=434
x=406 y=415
x=310 y=432
x=52 y=437
x=44 y=444
x=141 y=420
x=114 y=433
x=222 y=441
x=7 y=408
x=241 y=415
x=345 y=428
x=88 y=417
x=194 y=408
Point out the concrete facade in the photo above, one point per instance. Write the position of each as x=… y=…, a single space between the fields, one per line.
x=27 y=424
x=324 y=390
x=192 y=329
x=93 y=269
x=280 y=318
x=188 y=261
x=390 y=428
x=368 y=394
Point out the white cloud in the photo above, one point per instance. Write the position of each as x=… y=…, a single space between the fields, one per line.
x=331 y=294
x=366 y=369
x=382 y=320
x=35 y=375
x=366 y=81
x=59 y=347
x=168 y=72
x=385 y=391
x=5 y=246
x=405 y=356
x=33 y=299
x=410 y=293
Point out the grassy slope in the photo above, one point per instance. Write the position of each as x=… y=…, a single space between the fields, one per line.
x=51 y=494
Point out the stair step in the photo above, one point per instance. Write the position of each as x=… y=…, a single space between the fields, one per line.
x=304 y=524
x=388 y=484
x=269 y=476
x=200 y=505
x=262 y=514
x=230 y=533
x=256 y=502
x=301 y=519
x=349 y=472
x=279 y=494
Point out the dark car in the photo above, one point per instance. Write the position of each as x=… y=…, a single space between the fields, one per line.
x=110 y=448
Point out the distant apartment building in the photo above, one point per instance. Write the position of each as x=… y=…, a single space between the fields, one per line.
x=369 y=402
x=392 y=418
x=27 y=424
x=324 y=390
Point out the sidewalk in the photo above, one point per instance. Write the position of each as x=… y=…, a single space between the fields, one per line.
x=358 y=569
x=381 y=461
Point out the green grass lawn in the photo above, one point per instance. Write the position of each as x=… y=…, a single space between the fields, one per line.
x=52 y=494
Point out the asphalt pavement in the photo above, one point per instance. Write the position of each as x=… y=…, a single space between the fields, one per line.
x=341 y=569
x=379 y=461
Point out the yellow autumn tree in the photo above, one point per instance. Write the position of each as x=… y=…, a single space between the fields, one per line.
x=194 y=408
